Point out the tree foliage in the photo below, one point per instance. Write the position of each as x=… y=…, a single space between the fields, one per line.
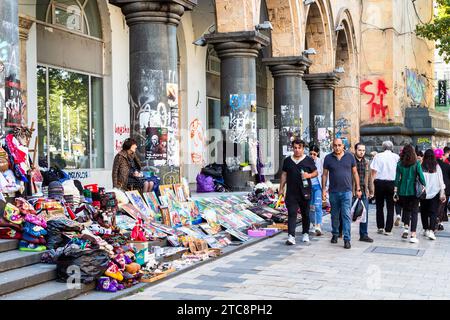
x=439 y=29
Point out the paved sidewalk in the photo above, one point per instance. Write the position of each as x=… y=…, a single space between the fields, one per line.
x=388 y=268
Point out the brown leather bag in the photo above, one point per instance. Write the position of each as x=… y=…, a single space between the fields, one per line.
x=4 y=163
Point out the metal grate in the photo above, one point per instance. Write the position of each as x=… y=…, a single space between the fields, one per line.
x=396 y=251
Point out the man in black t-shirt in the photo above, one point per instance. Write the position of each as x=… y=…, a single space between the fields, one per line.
x=298 y=170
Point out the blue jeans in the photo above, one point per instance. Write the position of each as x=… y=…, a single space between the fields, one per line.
x=341 y=203
x=316 y=200
x=363 y=226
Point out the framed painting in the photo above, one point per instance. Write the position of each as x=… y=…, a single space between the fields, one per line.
x=136 y=199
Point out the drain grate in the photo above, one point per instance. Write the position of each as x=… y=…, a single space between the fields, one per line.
x=396 y=251
x=443 y=234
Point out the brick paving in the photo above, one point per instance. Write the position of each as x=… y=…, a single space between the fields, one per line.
x=320 y=270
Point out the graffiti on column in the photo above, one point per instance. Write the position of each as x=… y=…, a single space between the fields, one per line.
x=379 y=92
x=173 y=155
x=342 y=126
x=323 y=133
x=305 y=134
x=291 y=126
x=415 y=86
x=196 y=141
x=242 y=118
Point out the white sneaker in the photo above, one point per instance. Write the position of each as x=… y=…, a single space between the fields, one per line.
x=431 y=235
x=305 y=237
x=397 y=221
x=387 y=233
x=290 y=241
x=318 y=231
x=425 y=233
x=380 y=231
x=405 y=234
x=413 y=240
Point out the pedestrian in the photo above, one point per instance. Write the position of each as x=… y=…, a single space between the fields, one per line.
x=435 y=190
x=316 y=196
x=408 y=168
x=297 y=172
x=341 y=166
x=445 y=167
x=419 y=154
x=383 y=175
x=446 y=155
x=362 y=165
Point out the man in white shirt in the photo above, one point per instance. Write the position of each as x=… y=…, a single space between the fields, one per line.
x=383 y=167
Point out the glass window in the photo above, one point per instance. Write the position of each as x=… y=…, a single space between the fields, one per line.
x=213 y=122
x=212 y=61
x=68 y=15
x=66 y=115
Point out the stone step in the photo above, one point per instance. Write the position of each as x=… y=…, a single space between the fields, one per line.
x=8 y=245
x=17 y=259
x=51 y=290
x=22 y=278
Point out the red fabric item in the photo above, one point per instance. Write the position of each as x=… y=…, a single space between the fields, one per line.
x=71 y=214
x=9 y=233
x=18 y=155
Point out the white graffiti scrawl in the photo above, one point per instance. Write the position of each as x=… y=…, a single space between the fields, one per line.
x=242 y=117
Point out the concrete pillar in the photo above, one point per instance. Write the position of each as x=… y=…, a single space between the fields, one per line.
x=24 y=28
x=288 y=109
x=321 y=108
x=238 y=52
x=153 y=87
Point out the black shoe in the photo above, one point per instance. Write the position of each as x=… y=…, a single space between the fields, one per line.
x=440 y=227
x=334 y=239
x=366 y=239
x=347 y=245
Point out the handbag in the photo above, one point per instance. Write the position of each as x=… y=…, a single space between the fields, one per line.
x=421 y=192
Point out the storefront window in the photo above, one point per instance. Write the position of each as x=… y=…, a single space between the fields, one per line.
x=70 y=107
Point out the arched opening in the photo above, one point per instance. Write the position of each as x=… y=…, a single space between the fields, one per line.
x=70 y=87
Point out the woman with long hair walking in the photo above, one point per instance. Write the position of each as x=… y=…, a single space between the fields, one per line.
x=404 y=189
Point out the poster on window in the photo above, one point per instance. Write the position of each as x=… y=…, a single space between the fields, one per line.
x=156 y=143
x=2 y=88
x=15 y=108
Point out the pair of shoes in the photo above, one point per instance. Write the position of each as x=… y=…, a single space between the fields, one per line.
x=405 y=233
x=290 y=241
x=380 y=231
x=398 y=220
x=305 y=237
x=431 y=235
x=365 y=239
x=413 y=240
x=387 y=233
x=318 y=231
x=334 y=239
x=347 y=245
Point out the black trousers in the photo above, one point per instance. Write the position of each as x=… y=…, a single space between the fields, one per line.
x=429 y=212
x=384 y=191
x=442 y=212
x=293 y=204
x=410 y=205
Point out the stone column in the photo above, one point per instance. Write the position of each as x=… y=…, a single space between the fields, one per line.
x=238 y=52
x=24 y=28
x=288 y=109
x=321 y=108
x=153 y=87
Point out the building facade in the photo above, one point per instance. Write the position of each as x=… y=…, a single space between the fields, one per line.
x=94 y=72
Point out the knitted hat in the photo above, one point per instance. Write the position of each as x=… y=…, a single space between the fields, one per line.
x=55 y=190
x=438 y=153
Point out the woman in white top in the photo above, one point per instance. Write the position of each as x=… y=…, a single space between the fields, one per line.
x=316 y=194
x=435 y=189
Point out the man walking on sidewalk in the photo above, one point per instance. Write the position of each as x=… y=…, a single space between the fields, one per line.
x=341 y=166
x=297 y=173
x=383 y=167
x=362 y=165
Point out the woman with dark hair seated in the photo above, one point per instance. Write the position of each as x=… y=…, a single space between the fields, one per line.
x=126 y=172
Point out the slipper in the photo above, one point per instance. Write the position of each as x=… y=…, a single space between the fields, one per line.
x=105 y=284
x=30 y=247
x=114 y=272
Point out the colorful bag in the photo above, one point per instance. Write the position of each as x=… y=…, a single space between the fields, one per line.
x=205 y=183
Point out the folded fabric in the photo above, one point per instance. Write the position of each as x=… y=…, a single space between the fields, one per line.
x=6 y=223
x=32 y=239
x=34 y=230
x=114 y=272
x=56 y=190
x=12 y=214
x=9 y=233
x=24 y=206
x=36 y=220
x=26 y=246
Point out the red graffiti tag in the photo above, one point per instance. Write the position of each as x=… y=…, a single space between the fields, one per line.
x=381 y=92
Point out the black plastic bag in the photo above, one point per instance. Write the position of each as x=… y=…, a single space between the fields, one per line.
x=213 y=170
x=358 y=210
x=89 y=265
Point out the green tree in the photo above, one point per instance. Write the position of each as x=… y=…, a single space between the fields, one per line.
x=439 y=29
